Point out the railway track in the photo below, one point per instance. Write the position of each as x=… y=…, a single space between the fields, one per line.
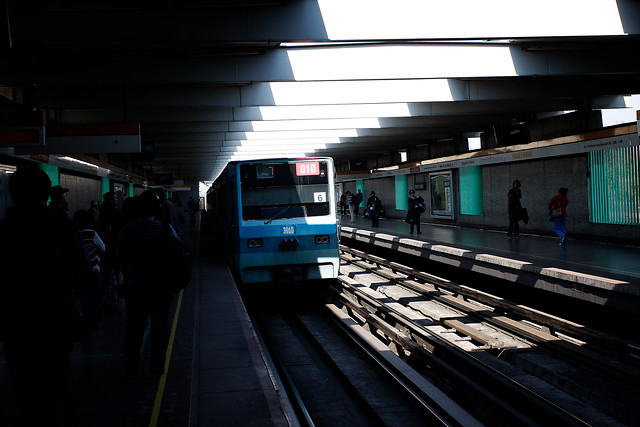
x=500 y=360
x=335 y=373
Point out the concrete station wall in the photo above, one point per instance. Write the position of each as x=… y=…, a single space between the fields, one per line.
x=540 y=181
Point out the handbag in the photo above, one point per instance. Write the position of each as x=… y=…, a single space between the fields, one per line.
x=523 y=215
x=556 y=212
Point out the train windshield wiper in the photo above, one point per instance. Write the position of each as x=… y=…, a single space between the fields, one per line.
x=278 y=214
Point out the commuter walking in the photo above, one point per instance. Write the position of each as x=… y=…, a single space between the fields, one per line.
x=513 y=210
x=558 y=207
x=43 y=263
x=139 y=253
x=357 y=201
x=374 y=207
x=416 y=208
x=351 y=204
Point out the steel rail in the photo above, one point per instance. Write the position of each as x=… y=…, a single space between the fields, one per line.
x=464 y=371
x=597 y=362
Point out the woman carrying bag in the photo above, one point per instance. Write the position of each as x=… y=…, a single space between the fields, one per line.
x=558 y=212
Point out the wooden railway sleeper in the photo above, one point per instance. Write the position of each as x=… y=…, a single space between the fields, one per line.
x=442 y=353
x=627 y=375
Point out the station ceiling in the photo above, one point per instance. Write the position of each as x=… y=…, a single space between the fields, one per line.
x=213 y=81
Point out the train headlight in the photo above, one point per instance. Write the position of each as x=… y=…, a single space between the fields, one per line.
x=322 y=239
x=254 y=243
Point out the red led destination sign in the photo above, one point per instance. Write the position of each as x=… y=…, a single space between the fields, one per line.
x=307 y=168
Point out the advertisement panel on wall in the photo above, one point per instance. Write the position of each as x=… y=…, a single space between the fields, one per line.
x=441 y=195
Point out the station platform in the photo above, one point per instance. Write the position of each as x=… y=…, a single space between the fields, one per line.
x=602 y=273
x=217 y=373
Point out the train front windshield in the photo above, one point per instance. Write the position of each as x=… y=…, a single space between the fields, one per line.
x=295 y=189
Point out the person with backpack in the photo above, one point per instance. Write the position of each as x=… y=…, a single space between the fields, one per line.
x=416 y=208
x=140 y=253
x=374 y=207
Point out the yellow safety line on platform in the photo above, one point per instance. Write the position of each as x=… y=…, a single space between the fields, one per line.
x=163 y=378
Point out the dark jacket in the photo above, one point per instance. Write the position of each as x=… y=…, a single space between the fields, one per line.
x=413 y=215
x=374 y=206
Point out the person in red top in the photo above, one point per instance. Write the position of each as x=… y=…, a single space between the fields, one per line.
x=561 y=201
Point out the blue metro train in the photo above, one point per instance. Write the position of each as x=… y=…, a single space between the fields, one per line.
x=277 y=219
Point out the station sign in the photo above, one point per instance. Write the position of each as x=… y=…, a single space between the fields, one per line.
x=22 y=136
x=86 y=139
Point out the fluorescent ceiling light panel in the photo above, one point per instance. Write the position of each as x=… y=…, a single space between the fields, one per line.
x=401 y=62
x=297 y=134
x=419 y=19
x=343 y=111
x=290 y=125
x=360 y=92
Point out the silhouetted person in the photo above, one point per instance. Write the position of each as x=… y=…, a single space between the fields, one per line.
x=42 y=261
x=357 y=201
x=94 y=215
x=138 y=251
x=513 y=209
x=59 y=200
x=168 y=212
x=109 y=226
x=177 y=203
x=192 y=205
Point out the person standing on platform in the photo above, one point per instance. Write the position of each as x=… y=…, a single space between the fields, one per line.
x=43 y=264
x=513 y=209
x=357 y=201
x=416 y=208
x=350 y=203
x=343 y=204
x=374 y=206
x=138 y=250
x=559 y=204
x=192 y=206
x=168 y=212
x=177 y=203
